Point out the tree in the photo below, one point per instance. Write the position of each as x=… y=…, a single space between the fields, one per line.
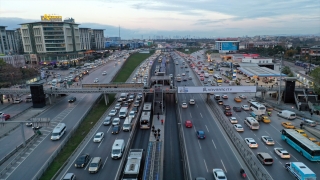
x=290 y=53
x=315 y=74
x=286 y=70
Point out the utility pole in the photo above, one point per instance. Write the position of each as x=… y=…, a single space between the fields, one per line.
x=280 y=68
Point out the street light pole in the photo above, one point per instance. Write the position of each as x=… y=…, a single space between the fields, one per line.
x=280 y=68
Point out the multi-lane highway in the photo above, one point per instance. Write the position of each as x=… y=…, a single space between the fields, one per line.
x=69 y=113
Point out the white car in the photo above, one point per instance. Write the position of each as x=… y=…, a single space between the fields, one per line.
x=184 y=105
x=98 y=137
x=245 y=107
x=218 y=174
x=238 y=127
x=17 y=101
x=116 y=121
x=243 y=96
x=224 y=96
x=96 y=80
x=104 y=73
x=132 y=114
x=268 y=140
x=192 y=101
x=183 y=74
x=251 y=100
x=233 y=120
x=251 y=142
x=282 y=153
x=118 y=106
x=113 y=112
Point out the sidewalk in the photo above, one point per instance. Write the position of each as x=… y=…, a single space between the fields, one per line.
x=157 y=125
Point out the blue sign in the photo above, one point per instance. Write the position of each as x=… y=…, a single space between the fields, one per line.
x=230 y=46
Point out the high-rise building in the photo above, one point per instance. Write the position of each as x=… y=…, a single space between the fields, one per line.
x=4 y=47
x=51 y=40
x=85 y=39
x=97 y=39
x=17 y=34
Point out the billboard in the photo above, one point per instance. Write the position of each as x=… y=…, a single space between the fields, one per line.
x=231 y=46
x=217 y=89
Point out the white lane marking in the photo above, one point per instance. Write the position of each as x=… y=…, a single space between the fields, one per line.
x=199 y=143
x=214 y=144
x=201 y=115
x=207 y=128
x=275 y=128
x=105 y=162
x=100 y=142
x=109 y=128
x=294 y=157
x=190 y=115
x=194 y=127
x=278 y=143
x=224 y=166
x=197 y=105
x=85 y=168
x=267 y=133
x=205 y=164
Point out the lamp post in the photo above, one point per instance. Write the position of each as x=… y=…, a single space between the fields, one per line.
x=280 y=68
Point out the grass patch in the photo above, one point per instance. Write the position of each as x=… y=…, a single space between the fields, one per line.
x=191 y=50
x=130 y=65
x=92 y=118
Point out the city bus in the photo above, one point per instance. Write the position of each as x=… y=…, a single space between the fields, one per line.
x=217 y=78
x=300 y=171
x=258 y=109
x=210 y=70
x=302 y=144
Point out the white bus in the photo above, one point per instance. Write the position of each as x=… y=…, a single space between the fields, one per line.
x=252 y=123
x=58 y=131
x=257 y=108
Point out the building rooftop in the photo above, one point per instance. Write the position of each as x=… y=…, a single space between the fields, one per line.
x=51 y=22
x=251 y=69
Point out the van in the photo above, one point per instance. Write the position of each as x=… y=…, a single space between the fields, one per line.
x=287 y=114
x=123 y=112
x=123 y=96
x=265 y=158
x=29 y=98
x=252 y=123
x=58 y=131
x=217 y=97
x=301 y=132
x=127 y=124
x=309 y=123
x=95 y=165
x=117 y=149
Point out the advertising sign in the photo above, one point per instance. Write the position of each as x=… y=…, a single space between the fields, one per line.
x=217 y=89
x=229 y=46
x=51 y=18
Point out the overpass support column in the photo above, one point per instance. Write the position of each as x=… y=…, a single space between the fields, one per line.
x=106 y=98
x=49 y=97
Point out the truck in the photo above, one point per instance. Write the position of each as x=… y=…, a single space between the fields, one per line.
x=133 y=166
x=300 y=171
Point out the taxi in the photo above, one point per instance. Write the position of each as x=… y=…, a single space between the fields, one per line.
x=301 y=132
x=237 y=99
x=265 y=119
x=287 y=125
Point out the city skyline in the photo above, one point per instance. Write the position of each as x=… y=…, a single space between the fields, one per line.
x=148 y=19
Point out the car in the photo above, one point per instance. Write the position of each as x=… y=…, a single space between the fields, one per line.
x=226 y=107
x=126 y=103
x=104 y=73
x=6 y=116
x=69 y=176
x=237 y=109
x=117 y=106
x=136 y=104
x=201 y=78
x=243 y=96
x=185 y=79
x=282 y=153
x=188 y=124
x=220 y=102
x=29 y=123
x=233 y=120
x=245 y=107
x=183 y=74
x=132 y=114
x=218 y=174
x=96 y=80
x=116 y=121
x=82 y=160
x=251 y=101
x=237 y=99
x=227 y=112
x=238 y=127
x=268 y=140
x=116 y=129
x=17 y=101
x=72 y=99
x=192 y=101
x=113 y=112
x=184 y=105
x=224 y=96
x=107 y=120
x=190 y=78
x=135 y=109
x=200 y=134
x=98 y=137
x=288 y=125
x=251 y=142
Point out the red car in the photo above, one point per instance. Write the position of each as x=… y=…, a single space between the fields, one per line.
x=227 y=112
x=6 y=116
x=202 y=79
x=188 y=124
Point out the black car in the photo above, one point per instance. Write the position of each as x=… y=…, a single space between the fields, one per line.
x=82 y=160
x=135 y=109
x=115 y=129
x=72 y=99
x=220 y=102
x=237 y=109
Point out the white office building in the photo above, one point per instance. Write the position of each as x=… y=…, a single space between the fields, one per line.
x=85 y=39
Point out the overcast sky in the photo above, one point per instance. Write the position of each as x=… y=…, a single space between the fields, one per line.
x=198 y=18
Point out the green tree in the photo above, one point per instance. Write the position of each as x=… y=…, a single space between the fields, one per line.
x=298 y=48
x=286 y=70
x=290 y=53
x=315 y=74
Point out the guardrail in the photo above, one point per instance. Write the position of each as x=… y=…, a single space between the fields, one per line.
x=68 y=136
x=254 y=166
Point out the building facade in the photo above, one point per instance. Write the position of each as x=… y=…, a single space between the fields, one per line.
x=227 y=45
x=14 y=60
x=51 y=40
x=4 y=47
x=85 y=39
x=97 y=39
x=315 y=51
